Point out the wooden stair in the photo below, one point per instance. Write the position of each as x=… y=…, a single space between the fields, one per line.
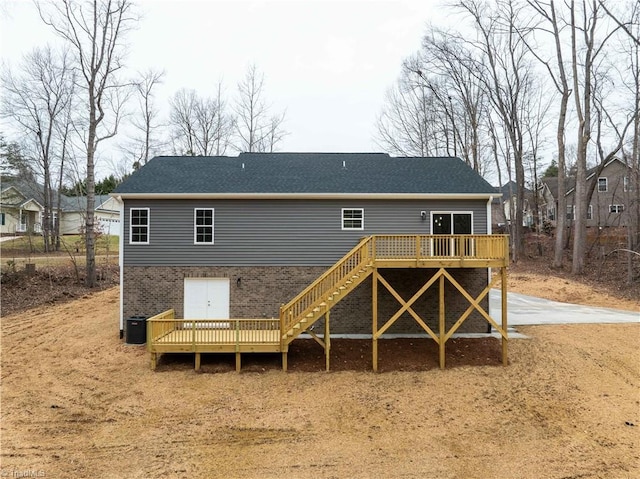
x=326 y=291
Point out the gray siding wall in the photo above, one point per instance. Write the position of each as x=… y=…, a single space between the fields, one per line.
x=276 y=232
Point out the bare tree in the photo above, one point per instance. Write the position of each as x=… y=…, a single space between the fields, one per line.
x=145 y=142
x=94 y=31
x=183 y=121
x=407 y=124
x=551 y=23
x=201 y=125
x=438 y=107
x=588 y=42
x=36 y=100
x=507 y=74
x=630 y=26
x=223 y=123
x=256 y=128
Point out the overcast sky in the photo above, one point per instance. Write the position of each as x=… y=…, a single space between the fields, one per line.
x=328 y=63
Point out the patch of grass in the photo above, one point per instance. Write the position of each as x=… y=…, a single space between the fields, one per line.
x=33 y=246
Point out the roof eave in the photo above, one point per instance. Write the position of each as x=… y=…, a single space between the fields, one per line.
x=306 y=196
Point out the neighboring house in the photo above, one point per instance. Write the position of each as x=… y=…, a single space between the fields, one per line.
x=238 y=237
x=505 y=206
x=610 y=201
x=19 y=212
x=22 y=210
x=107 y=215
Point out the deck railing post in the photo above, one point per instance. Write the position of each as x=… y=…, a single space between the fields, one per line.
x=193 y=335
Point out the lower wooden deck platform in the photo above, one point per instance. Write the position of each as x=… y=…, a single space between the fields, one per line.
x=166 y=334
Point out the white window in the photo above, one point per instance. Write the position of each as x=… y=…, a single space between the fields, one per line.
x=570 y=212
x=616 y=208
x=626 y=183
x=590 y=212
x=203 y=226
x=139 y=226
x=602 y=184
x=352 y=218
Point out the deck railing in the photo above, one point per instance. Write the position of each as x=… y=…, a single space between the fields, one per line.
x=429 y=247
x=305 y=301
x=164 y=330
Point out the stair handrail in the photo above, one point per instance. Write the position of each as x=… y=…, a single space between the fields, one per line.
x=364 y=246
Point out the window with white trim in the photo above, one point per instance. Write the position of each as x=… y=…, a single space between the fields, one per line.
x=616 y=208
x=625 y=182
x=352 y=218
x=602 y=184
x=551 y=213
x=570 y=212
x=139 y=225
x=203 y=226
x=590 y=212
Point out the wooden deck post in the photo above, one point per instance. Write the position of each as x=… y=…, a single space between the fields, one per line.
x=327 y=340
x=238 y=361
x=197 y=361
x=442 y=323
x=154 y=361
x=374 y=307
x=503 y=272
x=284 y=360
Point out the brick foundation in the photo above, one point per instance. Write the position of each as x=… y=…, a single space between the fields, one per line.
x=262 y=289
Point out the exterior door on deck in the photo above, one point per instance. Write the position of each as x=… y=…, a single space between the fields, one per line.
x=451 y=224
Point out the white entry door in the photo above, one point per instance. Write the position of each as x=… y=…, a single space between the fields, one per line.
x=206 y=298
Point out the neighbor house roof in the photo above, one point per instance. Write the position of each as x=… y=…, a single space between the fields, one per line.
x=33 y=190
x=79 y=203
x=303 y=174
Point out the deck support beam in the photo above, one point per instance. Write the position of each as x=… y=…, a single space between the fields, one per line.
x=374 y=308
x=503 y=275
x=197 y=362
x=327 y=341
x=441 y=323
x=284 y=360
x=238 y=361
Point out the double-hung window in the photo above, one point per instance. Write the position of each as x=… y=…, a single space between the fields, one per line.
x=139 y=226
x=602 y=184
x=352 y=218
x=571 y=209
x=203 y=226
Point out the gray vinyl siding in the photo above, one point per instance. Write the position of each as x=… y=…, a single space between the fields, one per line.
x=276 y=232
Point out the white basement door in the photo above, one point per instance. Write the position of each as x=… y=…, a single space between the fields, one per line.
x=206 y=298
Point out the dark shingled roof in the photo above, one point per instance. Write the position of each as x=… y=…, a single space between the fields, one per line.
x=305 y=173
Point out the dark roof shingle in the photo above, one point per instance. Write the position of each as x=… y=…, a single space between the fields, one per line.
x=305 y=173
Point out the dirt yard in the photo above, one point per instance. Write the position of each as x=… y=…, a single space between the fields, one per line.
x=76 y=402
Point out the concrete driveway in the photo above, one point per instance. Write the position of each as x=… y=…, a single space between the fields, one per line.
x=523 y=310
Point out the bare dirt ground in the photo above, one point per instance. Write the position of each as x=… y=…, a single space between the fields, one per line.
x=76 y=402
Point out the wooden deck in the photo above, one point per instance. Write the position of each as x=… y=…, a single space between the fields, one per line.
x=167 y=334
